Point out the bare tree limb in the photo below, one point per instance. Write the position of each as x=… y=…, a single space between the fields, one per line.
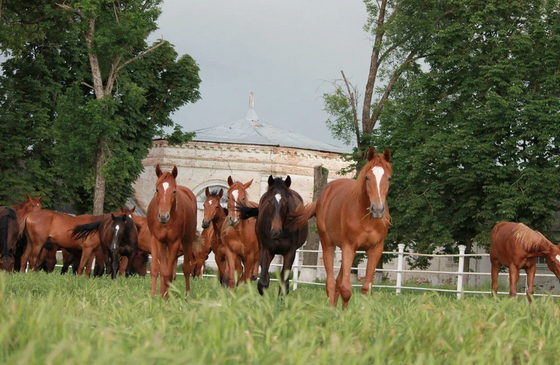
x=140 y=55
x=112 y=75
x=88 y=85
x=354 y=108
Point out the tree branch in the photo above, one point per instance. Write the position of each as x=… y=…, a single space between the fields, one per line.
x=140 y=55
x=354 y=109
x=88 y=85
x=112 y=75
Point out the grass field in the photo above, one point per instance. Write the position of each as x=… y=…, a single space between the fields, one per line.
x=54 y=319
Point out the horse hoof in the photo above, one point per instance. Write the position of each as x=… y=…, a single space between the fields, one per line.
x=261 y=288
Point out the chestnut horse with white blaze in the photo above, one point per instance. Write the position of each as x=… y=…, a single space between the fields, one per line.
x=239 y=236
x=516 y=246
x=353 y=215
x=172 y=222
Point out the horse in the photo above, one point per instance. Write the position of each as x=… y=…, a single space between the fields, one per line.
x=46 y=228
x=239 y=236
x=9 y=233
x=172 y=221
x=273 y=214
x=118 y=237
x=353 y=215
x=22 y=209
x=199 y=258
x=516 y=246
x=214 y=218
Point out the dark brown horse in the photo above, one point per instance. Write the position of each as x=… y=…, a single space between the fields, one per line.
x=118 y=237
x=353 y=215
x=214 y=218
x=275 y=238
x=516 y=246
x=9 y=233
x=239 y=236
x=172 y=222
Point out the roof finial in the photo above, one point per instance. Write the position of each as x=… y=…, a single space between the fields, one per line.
x=251 y=100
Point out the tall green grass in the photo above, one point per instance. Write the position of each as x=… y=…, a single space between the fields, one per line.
x=54 y=319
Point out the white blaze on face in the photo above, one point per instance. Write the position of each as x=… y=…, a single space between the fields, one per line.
x=278 y=197
x=130 y=216
x=117 y=227
x=210 y=202
x=558 y=258
x=235 y=194
x=378 y=172
x=165 y=186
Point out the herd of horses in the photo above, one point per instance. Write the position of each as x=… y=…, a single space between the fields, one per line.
x=351 y=214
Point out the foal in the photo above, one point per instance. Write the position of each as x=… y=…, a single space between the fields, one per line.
x=516 y=246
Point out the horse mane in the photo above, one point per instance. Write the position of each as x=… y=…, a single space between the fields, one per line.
x=532 y=241
x=359 y=186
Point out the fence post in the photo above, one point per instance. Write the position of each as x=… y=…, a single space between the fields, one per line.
x=400 y=260
x=296 y=271
x=462 y=249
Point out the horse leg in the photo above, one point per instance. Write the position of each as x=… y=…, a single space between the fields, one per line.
x=123 y=265
x=328 y=261
x=513 y=278
x=249 y=265
x=166 y=272
x=373 y=255
x=187 y=267
x=25 y=256
x=531 y=270
x=285 y=273
x=154 y=266
x=495 y=275
x=345 y=287
x=230 y=265
x=264 y=280
x=256 y=267
x=86 y=253
x=221 y=263
x=89 y=265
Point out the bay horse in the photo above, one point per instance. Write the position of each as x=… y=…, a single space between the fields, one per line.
x=9 y=233
x=239 y=236
x=353 y=215
x=214 y=218
x=46 y=228
x=172 y=221
x=275 y=237
x=199 y=258
x=118 y=237
x=516 y=246
x=22 y=209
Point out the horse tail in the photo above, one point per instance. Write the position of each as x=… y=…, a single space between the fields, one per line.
x=246 y=212
x=9 y=215
x=83 y=231
x=301 y=216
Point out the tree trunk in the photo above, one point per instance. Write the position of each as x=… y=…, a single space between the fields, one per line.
x=310 y=258
x=467 y=267
x=99 y=191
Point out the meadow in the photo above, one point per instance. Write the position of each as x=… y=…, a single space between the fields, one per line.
x=55 y=319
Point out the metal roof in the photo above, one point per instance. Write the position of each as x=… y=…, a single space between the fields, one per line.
x=251 y=130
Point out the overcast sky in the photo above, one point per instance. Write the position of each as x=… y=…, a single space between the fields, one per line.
x=286 y=52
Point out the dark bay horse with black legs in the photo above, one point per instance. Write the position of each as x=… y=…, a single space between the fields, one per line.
x=238 y=236
x=9 y=233
x=273 y=214
x=214 y=218
x=172 y=222
x=118 y=237
x=353 y=215
x=516 y=246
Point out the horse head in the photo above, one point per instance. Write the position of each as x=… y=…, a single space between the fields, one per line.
x=118 y=228
x=32 y=204
x=237 y=193
x=211 y=206
x=553 y=260
x=128 y=212
x=278 y=195
x=166 y=190
x=373 y=180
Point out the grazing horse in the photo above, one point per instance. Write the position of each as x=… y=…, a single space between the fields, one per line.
x=273 y=214
x=22 y=209
x=199 y=258
x=45 y=228
x=118 y=237
x=516 y=246
x=214 y=218
x=353 y=215
x=172 y=222
x=239 y=236
x=9 y=232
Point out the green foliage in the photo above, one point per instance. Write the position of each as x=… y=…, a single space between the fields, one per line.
x=52 y=119
x=66 y=319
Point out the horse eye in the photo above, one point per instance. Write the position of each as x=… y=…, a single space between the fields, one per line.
x=174 y=191
x=157 y=190
x=389 y=179
x=367 y=177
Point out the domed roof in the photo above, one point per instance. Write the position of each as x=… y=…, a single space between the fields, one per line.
x=251 y=130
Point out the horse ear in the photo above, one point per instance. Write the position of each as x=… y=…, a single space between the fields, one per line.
x=122 y=209
x=174 y=172
x=387 y=154
x=132 y=210
x=28 y=197
x=370 y=153
x=230 y=180
x=40 y=198
x=220 y=194
x=158 y=171
x=207 y=192
x=113 y=216
x=270 y=180
x=246 y=185
x=288 y=181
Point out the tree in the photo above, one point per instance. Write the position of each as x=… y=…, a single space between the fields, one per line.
x=115 y=91
x=475 y=138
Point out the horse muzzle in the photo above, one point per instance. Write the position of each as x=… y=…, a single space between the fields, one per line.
x=232 y=221
x=377 y=210
x=205 y=223
x=275 y=233
x=7 y=263
x=163 y=218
